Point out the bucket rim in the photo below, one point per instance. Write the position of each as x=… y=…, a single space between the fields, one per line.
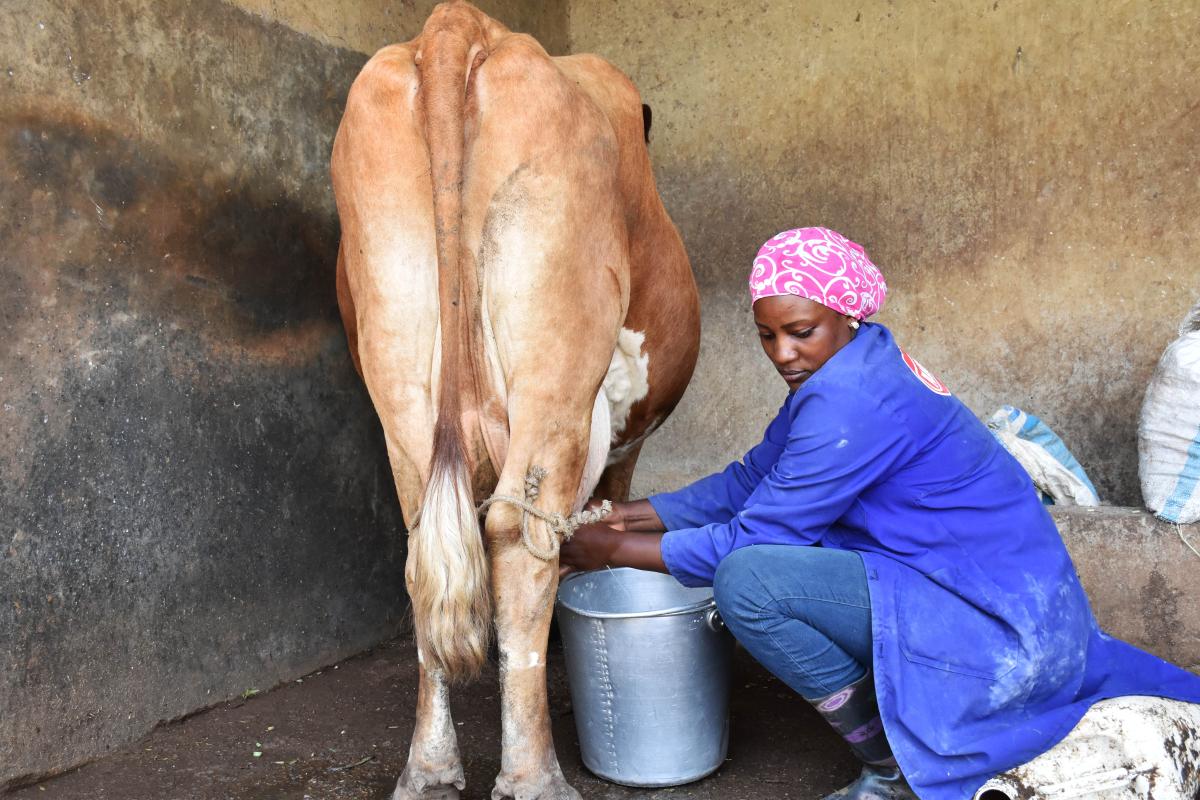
x=690 y=608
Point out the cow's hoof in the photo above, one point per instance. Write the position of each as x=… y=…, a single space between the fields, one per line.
x=549 y=788
x=432 y=793
x=429 y=784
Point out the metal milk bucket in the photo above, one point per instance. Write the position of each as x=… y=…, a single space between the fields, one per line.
x=649 y=666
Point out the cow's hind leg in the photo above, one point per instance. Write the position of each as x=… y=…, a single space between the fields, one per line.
x=434 y=769
x=523 y=588
x=529 y=766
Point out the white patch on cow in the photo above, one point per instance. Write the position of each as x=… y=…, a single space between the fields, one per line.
x=518 y=661
x=626 y=381
x=598 y=444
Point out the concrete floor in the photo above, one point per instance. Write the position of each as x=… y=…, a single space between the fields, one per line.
x=342 y=734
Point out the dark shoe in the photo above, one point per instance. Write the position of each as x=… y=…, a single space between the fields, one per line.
x=853 y=712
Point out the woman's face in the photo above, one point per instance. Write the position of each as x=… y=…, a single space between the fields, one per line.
x=799 y=335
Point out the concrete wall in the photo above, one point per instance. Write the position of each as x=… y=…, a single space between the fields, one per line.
x=194 y=495
x=1024 y=172
x=367 y=25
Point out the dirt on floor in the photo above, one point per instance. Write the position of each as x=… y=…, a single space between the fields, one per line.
x=342 y=734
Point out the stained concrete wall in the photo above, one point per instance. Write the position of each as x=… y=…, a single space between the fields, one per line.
x=1024 y=172
x=194 y=496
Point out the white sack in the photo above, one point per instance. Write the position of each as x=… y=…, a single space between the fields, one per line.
x=1169 y=431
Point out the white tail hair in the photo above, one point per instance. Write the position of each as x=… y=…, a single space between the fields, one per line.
x=448 y=576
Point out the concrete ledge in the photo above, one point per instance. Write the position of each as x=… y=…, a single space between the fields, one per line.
x=1143 y=580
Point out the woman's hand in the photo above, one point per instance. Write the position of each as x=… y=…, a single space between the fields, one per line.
x=592 y=547
x=635 y=515
x=615 y=518
x=600 y=545
x=630 y=536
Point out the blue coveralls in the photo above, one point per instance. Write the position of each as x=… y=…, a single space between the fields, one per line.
x=986 y=652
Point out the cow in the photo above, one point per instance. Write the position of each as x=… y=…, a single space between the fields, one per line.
x=517 y=301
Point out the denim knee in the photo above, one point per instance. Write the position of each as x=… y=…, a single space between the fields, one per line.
x=736 y=588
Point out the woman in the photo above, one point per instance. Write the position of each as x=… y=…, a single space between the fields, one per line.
x=881 y=553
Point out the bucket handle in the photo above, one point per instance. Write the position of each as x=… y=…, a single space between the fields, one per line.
x=713 y=620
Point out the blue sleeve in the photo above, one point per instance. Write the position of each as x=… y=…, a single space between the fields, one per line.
x=838 y=445
x=721 y=495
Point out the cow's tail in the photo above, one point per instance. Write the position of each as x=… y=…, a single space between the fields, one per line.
x=447 y=562
x=448 y=571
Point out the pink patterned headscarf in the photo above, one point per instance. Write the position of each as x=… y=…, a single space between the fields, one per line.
x=823 y=266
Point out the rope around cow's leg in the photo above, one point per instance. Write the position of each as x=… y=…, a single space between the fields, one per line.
x=561 y=528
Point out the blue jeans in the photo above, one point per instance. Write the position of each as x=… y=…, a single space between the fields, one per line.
x=804 y=613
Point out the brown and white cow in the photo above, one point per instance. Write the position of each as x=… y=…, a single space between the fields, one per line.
x=514 y=295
